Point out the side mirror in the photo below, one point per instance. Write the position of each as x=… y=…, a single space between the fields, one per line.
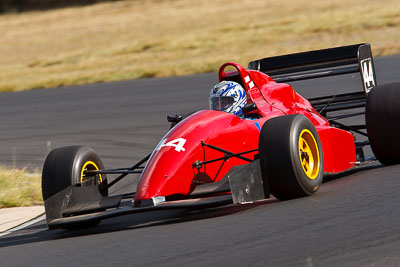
x=174 y=118
x=249 y=107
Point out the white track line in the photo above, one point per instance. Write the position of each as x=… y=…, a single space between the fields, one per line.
x=24 y=225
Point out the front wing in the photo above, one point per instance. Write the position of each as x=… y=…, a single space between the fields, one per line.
x=83 y=205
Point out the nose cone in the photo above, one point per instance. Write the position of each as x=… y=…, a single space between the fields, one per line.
x=170 y=168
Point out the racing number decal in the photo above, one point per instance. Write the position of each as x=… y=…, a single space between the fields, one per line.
x=176 y=143
x=368 y=74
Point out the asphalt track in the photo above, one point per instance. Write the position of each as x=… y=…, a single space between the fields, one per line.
x=353 y=220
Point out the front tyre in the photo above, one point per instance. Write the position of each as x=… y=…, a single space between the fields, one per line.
x=65 y=166
x=293 y=155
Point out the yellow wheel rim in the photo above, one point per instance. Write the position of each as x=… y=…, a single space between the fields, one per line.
x=309 y=154
x=90 y=165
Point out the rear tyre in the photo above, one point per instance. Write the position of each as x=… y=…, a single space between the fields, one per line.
x=292 y=151
x=65 y=167
x=382 y=116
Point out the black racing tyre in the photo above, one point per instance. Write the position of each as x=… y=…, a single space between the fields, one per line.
x=382 y=117
x=292 y=151
x=64 y=167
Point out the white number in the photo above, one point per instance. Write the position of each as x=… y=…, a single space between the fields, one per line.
x=177 y=143
x=368 y=74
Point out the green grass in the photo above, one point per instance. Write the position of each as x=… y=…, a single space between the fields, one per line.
x=19 y=188
x=153 y=38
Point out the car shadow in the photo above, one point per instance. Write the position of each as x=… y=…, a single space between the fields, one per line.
x=40 y=233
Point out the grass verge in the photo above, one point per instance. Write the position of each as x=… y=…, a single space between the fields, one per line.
x=152 y=38
x=19 y=188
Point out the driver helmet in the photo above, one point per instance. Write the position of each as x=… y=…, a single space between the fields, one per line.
x=228 y=96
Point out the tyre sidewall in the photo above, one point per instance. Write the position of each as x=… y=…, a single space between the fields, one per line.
x=83 y=155
x=308 y=185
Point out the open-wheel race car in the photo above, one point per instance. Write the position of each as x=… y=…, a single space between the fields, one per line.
x=281 y=144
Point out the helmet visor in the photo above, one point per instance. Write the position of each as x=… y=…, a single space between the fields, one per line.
x=221 y=102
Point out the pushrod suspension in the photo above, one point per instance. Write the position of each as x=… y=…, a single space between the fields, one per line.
x=228 y=155
x=125 y=172
x=228 y=152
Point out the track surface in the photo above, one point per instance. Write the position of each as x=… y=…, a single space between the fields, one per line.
x=352 y=221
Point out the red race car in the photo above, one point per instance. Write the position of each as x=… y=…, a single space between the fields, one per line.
x=273 y=142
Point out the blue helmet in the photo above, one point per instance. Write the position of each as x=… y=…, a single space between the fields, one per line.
x=229 y=97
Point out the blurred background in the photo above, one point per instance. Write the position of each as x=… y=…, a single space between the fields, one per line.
x=46 y=44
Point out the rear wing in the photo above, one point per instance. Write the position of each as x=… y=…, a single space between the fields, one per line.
x=325 y=63
x=321 y=63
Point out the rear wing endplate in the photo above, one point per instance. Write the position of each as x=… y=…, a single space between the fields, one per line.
x=321 y=63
